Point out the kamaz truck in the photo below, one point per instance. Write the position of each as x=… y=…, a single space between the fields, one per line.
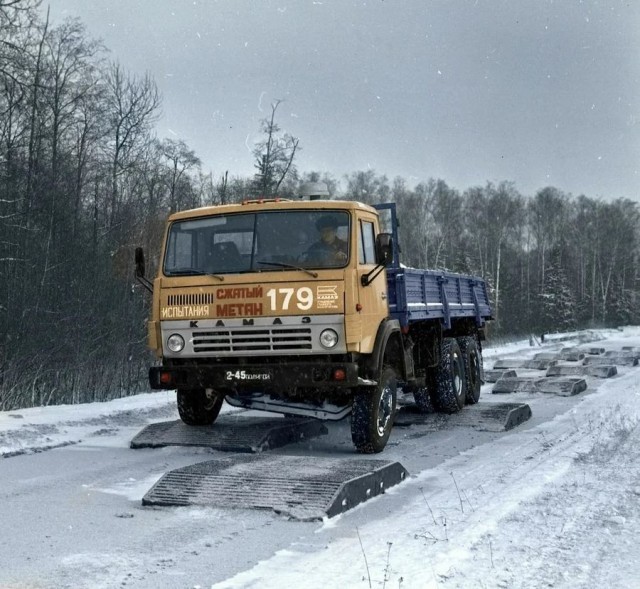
x=303 y=308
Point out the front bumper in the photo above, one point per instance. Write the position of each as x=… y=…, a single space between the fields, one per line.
x=234 y=378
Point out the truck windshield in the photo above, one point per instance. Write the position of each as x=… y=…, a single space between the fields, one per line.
x=246 y=242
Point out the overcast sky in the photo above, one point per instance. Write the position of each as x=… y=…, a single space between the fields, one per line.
x=540 y=92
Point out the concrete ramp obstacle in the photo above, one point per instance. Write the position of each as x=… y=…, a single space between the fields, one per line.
x=622 y=354
x=600 y=371
x=548 y=356
x=231 y=433
x=508 y=363
x=562 y=386
x=538 y=364
x=571 y=354
x=631 y=349
x=494 y=375
x=516 y=363
x=489 y=417
x=619 y=358
x=592 y=351
x=301 y=487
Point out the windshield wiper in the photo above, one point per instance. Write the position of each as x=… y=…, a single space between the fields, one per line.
x=193 y=272
x=282 y=265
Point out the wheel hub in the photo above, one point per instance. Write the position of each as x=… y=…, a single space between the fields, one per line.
x=385 y=408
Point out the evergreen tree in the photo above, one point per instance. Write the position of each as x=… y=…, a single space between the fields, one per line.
x=557 y=300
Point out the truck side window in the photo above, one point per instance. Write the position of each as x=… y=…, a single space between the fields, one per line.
x=182 y=250
x=366 y=244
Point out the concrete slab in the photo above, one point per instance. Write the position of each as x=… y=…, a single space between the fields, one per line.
x=563 y=386
x=547 y=356
x=617 y=359
x=490 y=417
x=539 y=364
x=631 y=349
x=508 y=363
x=515 y=385
x=301 y=487
x=600 y=371
x=231 y=433
x=494 y=375
x=593 y=351
x=621 y=354
x=571 y=354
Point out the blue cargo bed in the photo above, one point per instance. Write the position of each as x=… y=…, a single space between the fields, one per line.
x=418 y=295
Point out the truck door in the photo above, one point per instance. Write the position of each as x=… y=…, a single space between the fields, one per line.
x=372 y=298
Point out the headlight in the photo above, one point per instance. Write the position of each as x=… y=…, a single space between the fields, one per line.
x=175 y=343
x=329 y=338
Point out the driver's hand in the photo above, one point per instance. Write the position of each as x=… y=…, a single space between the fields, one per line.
x=340 y=256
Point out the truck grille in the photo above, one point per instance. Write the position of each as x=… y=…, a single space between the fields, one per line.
x=252 y=340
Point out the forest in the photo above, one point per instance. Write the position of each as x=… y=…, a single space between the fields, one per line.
x=84 y=180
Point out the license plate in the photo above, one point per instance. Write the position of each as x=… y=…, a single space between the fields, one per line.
x=248 y=375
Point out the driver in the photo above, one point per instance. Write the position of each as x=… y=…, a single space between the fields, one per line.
x=330 y=249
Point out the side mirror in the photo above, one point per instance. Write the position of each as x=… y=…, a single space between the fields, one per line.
x=384 y=249
x=140 y=269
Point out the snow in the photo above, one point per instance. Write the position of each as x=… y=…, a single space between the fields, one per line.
x=551 y=505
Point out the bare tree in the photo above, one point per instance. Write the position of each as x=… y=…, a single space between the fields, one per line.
x=274 y=155
x=132 y=106
x=180 y=159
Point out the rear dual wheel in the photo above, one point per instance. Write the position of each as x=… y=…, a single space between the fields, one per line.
x=472 y=360
x=449 y=388
x=458 y=377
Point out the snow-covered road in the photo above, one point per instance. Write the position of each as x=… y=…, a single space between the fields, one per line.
x=553 y=503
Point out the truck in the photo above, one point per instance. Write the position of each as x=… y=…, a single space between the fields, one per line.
x=302 y=307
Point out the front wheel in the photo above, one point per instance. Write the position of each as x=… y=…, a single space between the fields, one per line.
x=199 y=406
x=373 y=413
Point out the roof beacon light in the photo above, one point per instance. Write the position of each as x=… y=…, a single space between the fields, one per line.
x=314 y=191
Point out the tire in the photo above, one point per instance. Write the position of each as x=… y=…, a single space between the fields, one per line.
x=472 y=360
x=449 y=391
x=373 y=412
x=196 y=407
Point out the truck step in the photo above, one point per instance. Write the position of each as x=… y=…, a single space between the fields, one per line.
x=302 y=488
x=231 y=433
x=601 y=371
x=489 y=417
x=563 y=386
